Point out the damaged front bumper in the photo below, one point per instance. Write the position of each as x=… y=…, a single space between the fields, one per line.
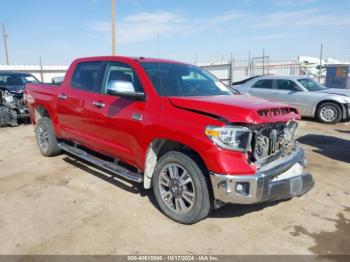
x=281 y=179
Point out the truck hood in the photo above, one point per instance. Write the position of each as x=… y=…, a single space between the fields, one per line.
x=336 y=91
x=13 y=89
x=237 y=108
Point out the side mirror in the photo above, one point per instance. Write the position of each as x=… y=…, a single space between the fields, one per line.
x=123 y=89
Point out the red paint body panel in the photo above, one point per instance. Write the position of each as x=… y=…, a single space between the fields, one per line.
x=112 y=131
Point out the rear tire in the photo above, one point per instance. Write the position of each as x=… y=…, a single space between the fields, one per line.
x=181 y=188
x=45 y=138
x=329 y=113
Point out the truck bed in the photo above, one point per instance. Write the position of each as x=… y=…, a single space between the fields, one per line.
x=45 y=95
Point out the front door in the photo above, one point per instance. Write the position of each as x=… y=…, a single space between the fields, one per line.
x=288 y=92
x=117 y=122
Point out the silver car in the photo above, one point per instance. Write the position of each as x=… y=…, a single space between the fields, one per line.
x=329 y=105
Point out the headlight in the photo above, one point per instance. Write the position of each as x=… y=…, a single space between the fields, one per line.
x=289 y=131
x=234 y=138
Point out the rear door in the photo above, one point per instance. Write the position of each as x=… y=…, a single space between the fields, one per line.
x=72 y=115
x=116 y=123
x=263 y=88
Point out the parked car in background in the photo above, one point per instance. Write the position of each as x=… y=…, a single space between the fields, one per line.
x=329 y=105
x=57 y=80
x=175 y=128
x=12 y=104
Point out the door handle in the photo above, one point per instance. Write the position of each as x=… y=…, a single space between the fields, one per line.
x=62 y=96
x=98 y=104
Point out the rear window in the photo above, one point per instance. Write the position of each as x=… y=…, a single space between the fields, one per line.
x=267 y=84
x=86 y=75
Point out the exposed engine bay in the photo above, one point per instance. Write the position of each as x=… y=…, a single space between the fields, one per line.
x=12 y=107
x=271 y=140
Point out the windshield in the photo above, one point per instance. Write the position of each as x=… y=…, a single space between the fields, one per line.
x=30 y=79
x=183 y=80
x=17 y=80
x=311 y=85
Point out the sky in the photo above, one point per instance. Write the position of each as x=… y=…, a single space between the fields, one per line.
x=188 y=30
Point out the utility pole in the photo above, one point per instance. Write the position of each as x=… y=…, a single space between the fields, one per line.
x=249 y=66
x=41 y=70
x=114 y=51
x=4 y=35
x=320 y=70
x=231 y=69
x=263 y=61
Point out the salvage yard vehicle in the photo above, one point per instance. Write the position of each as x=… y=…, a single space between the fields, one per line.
x=175 y=128
x=328 y=105
x=12 y=105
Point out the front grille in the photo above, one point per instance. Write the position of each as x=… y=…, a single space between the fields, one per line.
x=271 y=112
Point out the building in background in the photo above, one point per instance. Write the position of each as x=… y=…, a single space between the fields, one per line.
x=338 y=76
x=44 y=73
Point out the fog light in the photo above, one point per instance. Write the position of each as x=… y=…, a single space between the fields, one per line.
x=242 y=188
x=239 y=188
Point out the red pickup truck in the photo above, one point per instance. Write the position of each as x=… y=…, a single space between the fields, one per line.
x=175 y=128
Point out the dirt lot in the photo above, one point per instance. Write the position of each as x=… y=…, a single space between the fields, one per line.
x=62 y=206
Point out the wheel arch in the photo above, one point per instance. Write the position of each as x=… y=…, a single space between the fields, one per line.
x=158 y=147
x=39 y=112
x=319 y=103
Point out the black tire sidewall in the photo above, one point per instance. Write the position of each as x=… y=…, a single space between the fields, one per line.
x=336 y=106
x=202 y=205
x=53 y=148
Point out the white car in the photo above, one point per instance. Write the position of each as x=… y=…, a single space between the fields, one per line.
x=329 y=105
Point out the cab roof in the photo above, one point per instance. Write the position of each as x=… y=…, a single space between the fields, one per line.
x=138 y=59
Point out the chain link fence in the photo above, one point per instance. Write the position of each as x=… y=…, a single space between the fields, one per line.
x=230 y=71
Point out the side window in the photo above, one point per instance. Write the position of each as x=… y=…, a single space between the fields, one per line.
x=286 y=85
x=267 y=84
x=12 y=80
x=86 y=75
x=121 y=72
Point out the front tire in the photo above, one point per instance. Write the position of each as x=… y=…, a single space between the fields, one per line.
x=329 y=113
x=181 y=188
x=45 y=138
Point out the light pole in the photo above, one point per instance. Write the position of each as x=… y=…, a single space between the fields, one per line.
x=4 y=35
x=114 y=51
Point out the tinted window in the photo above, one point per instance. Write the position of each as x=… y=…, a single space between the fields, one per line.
x=263 y=84
x=121 y=72
x=86 y=75
x=171 y=79
x=286 y=85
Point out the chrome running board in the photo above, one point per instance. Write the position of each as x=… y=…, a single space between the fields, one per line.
x=106 y=165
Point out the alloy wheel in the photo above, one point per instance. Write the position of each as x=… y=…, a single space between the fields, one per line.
x=43 y=138
x=328 y=113
x=177 y=188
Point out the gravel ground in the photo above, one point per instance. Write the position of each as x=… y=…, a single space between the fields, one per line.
x=63 y=206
